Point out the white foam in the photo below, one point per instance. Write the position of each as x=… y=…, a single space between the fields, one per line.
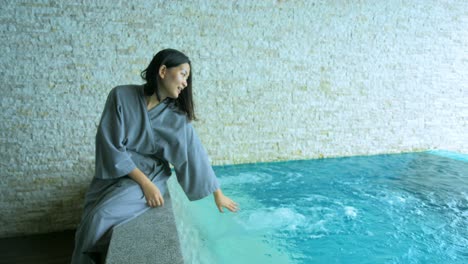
x=316 y=197
x=418 y=212
x=316 y=236
x=401 y=199
x=243 y=178
x=350 y=212
x=395 y=199
x=464 y=195
x=293 y=177
x=278 y=218
x=318 y=228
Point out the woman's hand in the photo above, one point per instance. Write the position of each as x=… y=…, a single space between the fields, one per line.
x=152 y=194
x=223 y=201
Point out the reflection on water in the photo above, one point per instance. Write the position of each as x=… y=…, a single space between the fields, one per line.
x=406 y=208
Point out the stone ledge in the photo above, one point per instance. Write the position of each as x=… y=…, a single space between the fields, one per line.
x=149 y=238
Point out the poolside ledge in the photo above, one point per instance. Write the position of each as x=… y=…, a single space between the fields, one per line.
x=150 y=238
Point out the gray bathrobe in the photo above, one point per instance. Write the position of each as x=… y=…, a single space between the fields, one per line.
x=128 y=137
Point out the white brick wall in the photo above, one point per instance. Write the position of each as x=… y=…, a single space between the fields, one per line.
x=274 y=80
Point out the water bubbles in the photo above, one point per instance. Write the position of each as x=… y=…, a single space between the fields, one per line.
x=274 y=218
x=292 y=177
x=316 y=236
x=401 y=199
x=418 y=212
x=402 y=215
x=317 y=229
x=316 y=198
x=350 y=212
x=246 y=178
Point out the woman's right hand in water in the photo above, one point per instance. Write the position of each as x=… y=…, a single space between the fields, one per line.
x=152 y=194
x=223 y=201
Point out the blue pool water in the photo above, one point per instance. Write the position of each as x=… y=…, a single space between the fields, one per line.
x=404 y=208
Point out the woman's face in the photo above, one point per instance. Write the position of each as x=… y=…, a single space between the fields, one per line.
x=173 y=80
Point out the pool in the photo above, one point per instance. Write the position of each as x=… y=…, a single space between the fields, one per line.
x=402 y=208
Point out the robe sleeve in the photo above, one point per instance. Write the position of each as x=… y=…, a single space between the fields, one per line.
x=191 y=163
x=112 y=159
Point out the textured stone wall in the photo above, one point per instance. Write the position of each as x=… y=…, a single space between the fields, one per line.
x=274 y=80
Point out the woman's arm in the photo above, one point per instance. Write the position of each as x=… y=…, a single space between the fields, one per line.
x=223 y=201
x=152 y=194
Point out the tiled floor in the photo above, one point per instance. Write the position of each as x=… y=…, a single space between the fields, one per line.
x=45 y=248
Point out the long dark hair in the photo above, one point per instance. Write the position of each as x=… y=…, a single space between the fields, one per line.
x=170 y=58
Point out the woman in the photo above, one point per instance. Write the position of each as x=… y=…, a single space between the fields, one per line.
x=142 y=130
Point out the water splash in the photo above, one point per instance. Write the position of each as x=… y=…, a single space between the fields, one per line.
x=273 y=218
x=350 y=212
x=246 y=178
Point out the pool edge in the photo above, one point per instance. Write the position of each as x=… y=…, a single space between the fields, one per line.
x=448 y=154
